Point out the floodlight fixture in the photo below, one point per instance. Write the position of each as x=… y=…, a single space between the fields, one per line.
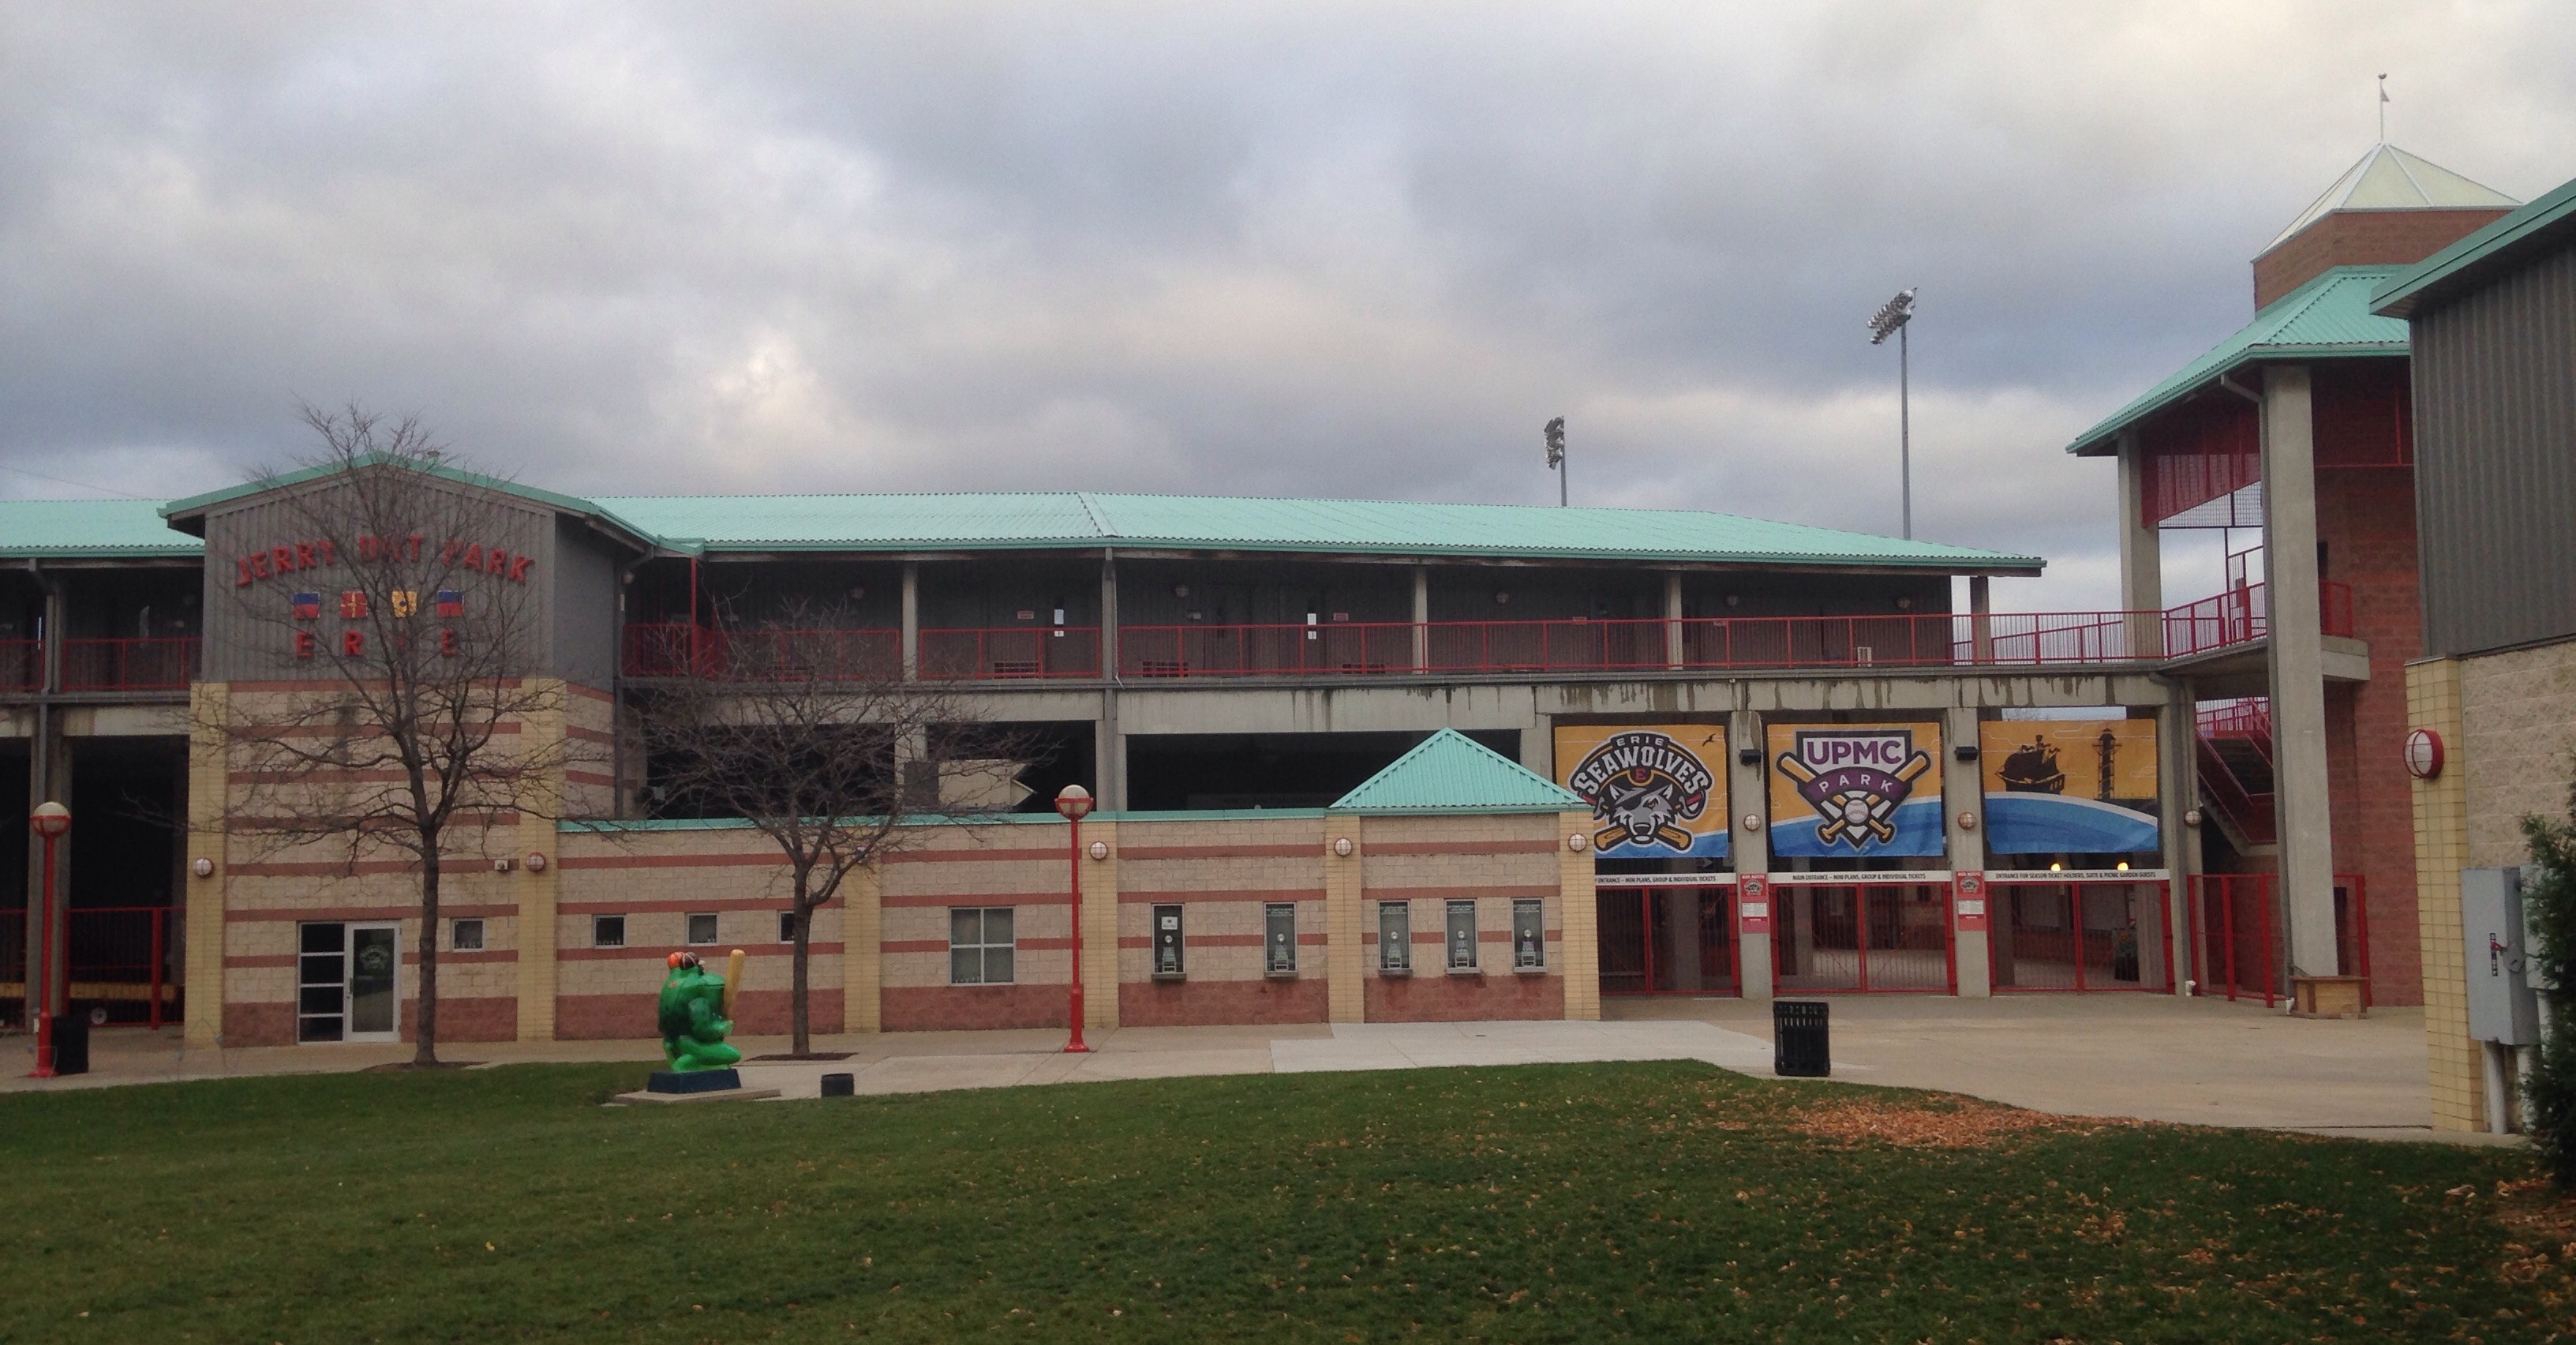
x=1555 y=436
x=1896 y=318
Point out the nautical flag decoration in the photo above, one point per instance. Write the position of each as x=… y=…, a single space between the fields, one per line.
x=308 y=606
x=405 y=602
x=353 y=604
x=451 y=602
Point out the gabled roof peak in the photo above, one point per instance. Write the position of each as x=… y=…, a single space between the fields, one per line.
x=1450 y=772
x=2389 y=178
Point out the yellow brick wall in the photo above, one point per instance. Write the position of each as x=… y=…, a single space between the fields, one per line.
x=205 y=897
x=1582 y=921
x=1344 y=920
x=2433 y=695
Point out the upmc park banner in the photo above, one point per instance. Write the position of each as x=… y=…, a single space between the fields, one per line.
x=2070 y=786
x=1658 y=791
x=1855 y=789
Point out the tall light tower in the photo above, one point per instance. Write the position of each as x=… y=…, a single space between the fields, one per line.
x=1555 y=433
x=1892 y=317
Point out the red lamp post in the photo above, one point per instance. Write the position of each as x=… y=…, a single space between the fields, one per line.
x=1074 y=802
x=50 y=822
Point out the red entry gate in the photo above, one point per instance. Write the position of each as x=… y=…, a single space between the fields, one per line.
x=1866 y=938
x=1667 y=940
x=2080 y=936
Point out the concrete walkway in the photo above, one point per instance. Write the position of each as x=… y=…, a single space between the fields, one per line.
x=2148 y=1057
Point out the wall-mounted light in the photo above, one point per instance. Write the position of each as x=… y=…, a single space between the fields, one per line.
x=1577 y=841
x=1905 y=602
x=203 y=868
x=1100 y=849
x=1967 y=821
x=858 y=592
x=1965 y=751
x=536 y=863
x=1734 y=600
x=1502 y=597
x=2124 y=866
x=1748 y=756
x=1342 y=846
x=1180 y=590
x=2191 y=817
x=1752 y=821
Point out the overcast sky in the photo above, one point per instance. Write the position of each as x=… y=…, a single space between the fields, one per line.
x=1359 y=250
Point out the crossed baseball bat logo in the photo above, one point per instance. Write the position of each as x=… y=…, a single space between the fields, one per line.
x=1849 y=811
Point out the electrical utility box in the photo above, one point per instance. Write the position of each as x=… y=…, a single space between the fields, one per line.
x=2502 y=1007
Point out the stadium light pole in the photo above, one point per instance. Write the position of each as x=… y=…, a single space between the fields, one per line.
x=1555 y=433
x=1893 y=317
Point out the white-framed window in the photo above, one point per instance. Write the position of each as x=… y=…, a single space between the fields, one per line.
x=608 y=931
x=702 y=927
x=981 y=948
x=1529 y=932
x=1395 y=936
x=1462 y=935
x=787 y=926
x=465 y=936
x=1279 y=937
x=1168 y=948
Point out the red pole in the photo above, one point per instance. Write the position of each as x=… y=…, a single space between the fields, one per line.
x=157 y=914
x=1074 y=851
x=1860 y=937
x=44 y=959
x=2268 y=977
x=2227 y=913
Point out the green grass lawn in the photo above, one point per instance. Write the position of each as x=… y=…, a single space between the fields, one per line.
x=1661 y=1201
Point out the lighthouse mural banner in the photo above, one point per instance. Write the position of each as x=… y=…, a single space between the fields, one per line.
x=1855 y=790
x=2070 y=786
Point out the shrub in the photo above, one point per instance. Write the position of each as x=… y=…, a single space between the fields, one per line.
x=2549 y=905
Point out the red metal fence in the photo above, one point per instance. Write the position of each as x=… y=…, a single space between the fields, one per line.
x=1011 y=652
x=2235 y=926
x=121 y=961
x=2081 y=936
x=130 y=665
x=673 y=649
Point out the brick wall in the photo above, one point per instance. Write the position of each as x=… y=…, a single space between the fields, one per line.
x=2360 y=238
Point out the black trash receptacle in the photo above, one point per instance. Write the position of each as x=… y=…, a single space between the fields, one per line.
x=1801 y=1042
x=71 y=1042
x=839 y=1085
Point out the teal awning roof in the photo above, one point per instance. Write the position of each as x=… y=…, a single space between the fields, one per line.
x=90 y=529
x=2542 y=224
x=2327 y=318
x=1087 y=519
x=1450 y=772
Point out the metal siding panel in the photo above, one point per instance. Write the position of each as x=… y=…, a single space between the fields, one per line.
x=582 y=584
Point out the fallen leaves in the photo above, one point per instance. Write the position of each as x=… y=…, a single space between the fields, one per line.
x=1960 y=1125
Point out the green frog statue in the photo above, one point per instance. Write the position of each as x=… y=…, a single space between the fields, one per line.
x=693 y=1016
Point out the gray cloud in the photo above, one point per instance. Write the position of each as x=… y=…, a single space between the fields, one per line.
x=1340 y=250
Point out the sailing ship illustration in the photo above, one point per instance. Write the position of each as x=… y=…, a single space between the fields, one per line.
x=2033 y=770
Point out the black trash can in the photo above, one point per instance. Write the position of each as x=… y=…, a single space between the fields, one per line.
x=839 y=1085
x=1801 y=1042
x=71 y=1042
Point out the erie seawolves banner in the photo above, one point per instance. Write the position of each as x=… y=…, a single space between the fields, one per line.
x=1658 y=791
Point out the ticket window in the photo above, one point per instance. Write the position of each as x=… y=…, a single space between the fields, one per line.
x=1461 y=937
x=1395 y=938
x=1167 y=943
x=1279 y=938
x=1529 y=934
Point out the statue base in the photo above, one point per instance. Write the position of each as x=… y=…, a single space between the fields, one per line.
x=693 y=1081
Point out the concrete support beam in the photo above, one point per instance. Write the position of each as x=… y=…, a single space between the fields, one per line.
x=1581 y=914
x=1109 y=756
x=1963 y=791
x=1345 y=922
x=2178 y=789
x=1981 y=622
x=2298 y=671
x=911 y=621
x=1745 y=793
x=1421 y=618
x=2142 y=580
x=1673 y=620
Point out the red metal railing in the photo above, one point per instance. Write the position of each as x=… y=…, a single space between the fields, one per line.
x=2242 y=614
x=2247 y=717
x=674 y=649
x=2235 y=923
x=1226 y=651
x=119 y=960
x=1011 y=652
x=167 y=664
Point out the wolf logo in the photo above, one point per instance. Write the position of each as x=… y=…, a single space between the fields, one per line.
x=1642 y=785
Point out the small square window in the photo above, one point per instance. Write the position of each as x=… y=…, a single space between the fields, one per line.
x=1279 y=938
x=702 y=927
x=981 y=949
x=1462 y=936
x=465 y=936
x=608 y=931
x=1395 y=936
x=1529 y=932
x=787 y=926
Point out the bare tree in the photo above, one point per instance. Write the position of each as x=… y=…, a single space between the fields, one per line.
x=390 y=624
x=809 y=732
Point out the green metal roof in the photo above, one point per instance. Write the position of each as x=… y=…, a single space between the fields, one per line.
x=196 y=505
x=2327 y=318
x=2533 y=226
x=1450 y=772
x=95 y=529
x=1082 y=519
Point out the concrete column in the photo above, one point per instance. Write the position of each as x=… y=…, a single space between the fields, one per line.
x=862 y=961
x=1100 y=957
x=1109 y=617
x=2178 y=792
x=911 y=621
x=204 y=897
x=1673 y=620
x=2298 y=672
x=535 y=927
x=2142 y=583
x=1981 y=622
x=1581 y=913
x=1421 y=618
x=1745 y=793
x=1110 y=755
x=1963 y=791
x=1538 y=747
x=1346 y=921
